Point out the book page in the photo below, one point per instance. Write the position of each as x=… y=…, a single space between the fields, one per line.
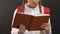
x=35 y=15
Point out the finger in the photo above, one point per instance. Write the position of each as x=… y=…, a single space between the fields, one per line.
x=45 y=24
x=22 y=27
x=46 y=27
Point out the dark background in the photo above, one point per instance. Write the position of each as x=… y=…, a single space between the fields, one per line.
x=7 y=8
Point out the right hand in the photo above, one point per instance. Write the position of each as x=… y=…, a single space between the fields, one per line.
x=21 y=29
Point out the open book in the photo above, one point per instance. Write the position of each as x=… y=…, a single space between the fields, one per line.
x=31 y=22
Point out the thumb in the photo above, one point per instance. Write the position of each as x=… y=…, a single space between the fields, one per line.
x=21 y=27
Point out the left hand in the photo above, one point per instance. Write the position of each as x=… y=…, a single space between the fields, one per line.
x=46 y=26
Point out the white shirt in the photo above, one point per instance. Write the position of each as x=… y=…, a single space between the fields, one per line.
x=30 y=11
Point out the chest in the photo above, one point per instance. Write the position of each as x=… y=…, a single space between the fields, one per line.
x=35 y=11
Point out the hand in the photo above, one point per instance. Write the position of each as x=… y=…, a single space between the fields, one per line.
x=21 y=29
x=46 y=26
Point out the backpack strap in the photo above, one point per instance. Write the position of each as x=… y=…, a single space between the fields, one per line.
x=19 y=9
x=46 y=10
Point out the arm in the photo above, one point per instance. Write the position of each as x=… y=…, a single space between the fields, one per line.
x=14 y=30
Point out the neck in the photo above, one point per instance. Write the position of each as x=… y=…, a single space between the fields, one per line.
x=31 y=6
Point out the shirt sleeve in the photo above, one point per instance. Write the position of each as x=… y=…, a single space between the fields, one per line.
x=50 y=31
x=14 y=30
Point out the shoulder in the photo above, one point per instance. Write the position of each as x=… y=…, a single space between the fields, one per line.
x=19 y=8
x=46 y=10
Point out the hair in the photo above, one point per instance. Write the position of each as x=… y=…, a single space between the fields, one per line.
x=23 y=5
x=40 y=6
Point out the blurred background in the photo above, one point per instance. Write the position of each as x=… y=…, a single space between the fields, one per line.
x=7 y=8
